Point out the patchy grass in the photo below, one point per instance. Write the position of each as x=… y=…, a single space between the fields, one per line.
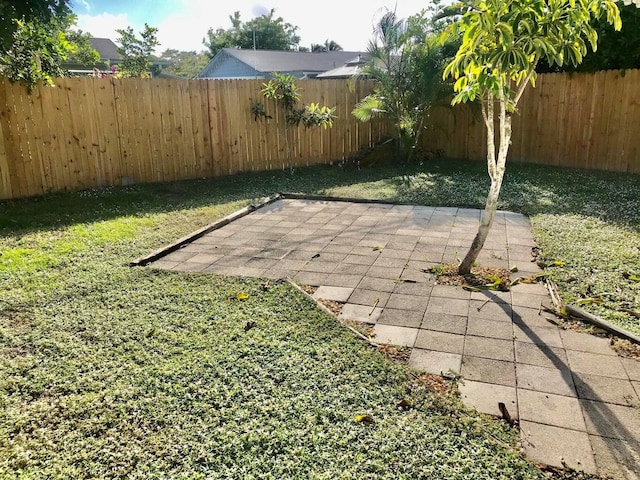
x=112 y=372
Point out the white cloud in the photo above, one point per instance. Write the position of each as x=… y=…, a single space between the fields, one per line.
x=104 y=25
x=348 y=23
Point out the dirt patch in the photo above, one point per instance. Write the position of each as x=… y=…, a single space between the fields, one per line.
x=395 y=353
x=435 y=383
x=479 y=278
x=334 y=307
x=625 y=348
x=309 y=289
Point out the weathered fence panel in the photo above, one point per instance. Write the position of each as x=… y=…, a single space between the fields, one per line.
x=572 y=120
x=88 y=132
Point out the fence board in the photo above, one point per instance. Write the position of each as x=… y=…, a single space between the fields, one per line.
x=97 y=132
x=571 y=120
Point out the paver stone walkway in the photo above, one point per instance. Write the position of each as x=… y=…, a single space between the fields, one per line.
x=576 y=400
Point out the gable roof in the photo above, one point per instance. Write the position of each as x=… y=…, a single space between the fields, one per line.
x=106 y=48
x=267 y=61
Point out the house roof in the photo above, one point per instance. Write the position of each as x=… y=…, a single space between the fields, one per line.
x=106 y=48
x=283 y=61
x=349 y=69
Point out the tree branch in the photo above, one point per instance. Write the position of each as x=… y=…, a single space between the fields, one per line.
x=524 y=84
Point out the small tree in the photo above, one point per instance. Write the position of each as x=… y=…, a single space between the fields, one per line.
x=502 y=43
x=136 y=52
x=283 y=90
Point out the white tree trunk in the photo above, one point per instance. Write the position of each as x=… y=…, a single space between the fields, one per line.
x=496 y=168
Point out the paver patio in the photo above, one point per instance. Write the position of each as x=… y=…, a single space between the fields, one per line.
x=576 y=400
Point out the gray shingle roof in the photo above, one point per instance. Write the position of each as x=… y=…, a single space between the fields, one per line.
x=281 y=61
x=106 y=48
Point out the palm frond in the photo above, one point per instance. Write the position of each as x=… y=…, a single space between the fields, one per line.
x=368 y=107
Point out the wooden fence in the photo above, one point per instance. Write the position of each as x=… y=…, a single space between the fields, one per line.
x=573 y=120
x=89 y=132
x=98 y=132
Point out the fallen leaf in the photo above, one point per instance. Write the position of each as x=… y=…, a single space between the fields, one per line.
x=249 y=325
x=513 y=269
x=558 y=263
x=364 y=419
x=375 y=249
x=404 y=404
x=242 y=296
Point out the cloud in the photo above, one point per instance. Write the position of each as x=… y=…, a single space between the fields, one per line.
x=105 y=25
x=85 y=4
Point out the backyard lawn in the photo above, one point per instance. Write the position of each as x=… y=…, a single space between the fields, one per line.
x=108 y=371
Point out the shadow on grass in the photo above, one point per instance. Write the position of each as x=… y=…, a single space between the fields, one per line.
x=529 y=189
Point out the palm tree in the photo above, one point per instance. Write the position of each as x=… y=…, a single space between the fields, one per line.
x=329 y=46
x=407 y=61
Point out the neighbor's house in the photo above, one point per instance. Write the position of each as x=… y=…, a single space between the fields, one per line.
x=239 y=63
x=109 y=57
x=349 y=69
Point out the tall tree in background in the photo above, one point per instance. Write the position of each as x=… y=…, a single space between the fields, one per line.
x=502 y=43
x=266 y=32
x=136 y=51
x=38 y=50
x=328 y=46
x=184 y=64
x=407 y=61
x=39 y=11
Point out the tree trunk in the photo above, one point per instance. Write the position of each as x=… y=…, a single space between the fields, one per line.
x=485 y=225
x=496 y=169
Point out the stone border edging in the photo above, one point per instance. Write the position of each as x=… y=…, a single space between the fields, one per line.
x=172 y=247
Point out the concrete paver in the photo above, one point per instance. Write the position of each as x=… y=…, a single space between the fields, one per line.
x=542 y=379
x=440 y=341
x=576 y=399
x=337 y=294
x=485 y=397
x=616 y=458
x=489 y=370
x=550 y=409
x=402 y=336
x=434 y=362
x=553 y=445
x=445 y=323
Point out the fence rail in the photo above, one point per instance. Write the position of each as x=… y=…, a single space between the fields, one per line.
x=572 y=120
x=98 y=132
x=89 y=132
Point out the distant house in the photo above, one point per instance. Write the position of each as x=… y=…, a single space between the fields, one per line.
x=239 y=63
x=109 y=57
x=349 y=69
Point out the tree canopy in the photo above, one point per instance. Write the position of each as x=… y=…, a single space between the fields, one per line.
x=39 y=48
x=184 y=64
x=266 y=32
x=136 y=51
x=617 y=49
x=327 y=46
x=40 y=11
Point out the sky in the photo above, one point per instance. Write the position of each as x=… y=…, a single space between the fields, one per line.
x=182 y=24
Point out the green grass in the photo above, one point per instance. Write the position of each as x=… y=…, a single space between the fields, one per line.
x=108 y=371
